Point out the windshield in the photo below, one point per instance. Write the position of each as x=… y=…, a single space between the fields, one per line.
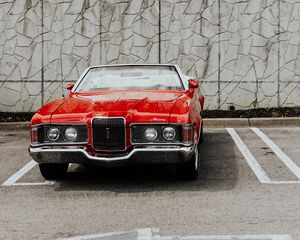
x=131 y=78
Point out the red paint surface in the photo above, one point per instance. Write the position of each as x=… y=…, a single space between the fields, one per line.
x=168 y=106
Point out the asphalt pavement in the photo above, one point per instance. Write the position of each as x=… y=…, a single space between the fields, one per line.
x=248 y=188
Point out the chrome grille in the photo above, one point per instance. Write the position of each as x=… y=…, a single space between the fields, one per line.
x=109 y=134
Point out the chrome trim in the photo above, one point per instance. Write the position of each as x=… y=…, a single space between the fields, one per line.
x=199 y=132
x=163 y=144
x=58 y=144
x=170 y=149
x=109 y=118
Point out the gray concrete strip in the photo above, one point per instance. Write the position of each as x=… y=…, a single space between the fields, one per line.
x=12 y=126
x=275 y=122
x=251 y=122
x=225 y=122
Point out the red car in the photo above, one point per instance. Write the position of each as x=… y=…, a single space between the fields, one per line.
x=121 y=114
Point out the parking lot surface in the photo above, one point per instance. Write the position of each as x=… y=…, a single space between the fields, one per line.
x=248 y=188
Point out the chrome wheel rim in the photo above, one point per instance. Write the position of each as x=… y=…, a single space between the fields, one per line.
x=196 y=158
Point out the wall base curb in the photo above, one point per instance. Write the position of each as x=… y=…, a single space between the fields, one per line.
x=252 y=122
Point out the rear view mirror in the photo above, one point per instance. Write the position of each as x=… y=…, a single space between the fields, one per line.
x=193 y=84
x=70 y=86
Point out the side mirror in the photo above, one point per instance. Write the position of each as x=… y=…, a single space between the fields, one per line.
x=70 y=86
x=193 y=84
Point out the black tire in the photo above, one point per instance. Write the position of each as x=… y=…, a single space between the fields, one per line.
x=53 y=171
x=189 y=170
x=201 y=133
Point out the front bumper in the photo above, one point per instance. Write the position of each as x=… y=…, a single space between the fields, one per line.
x=150 y=154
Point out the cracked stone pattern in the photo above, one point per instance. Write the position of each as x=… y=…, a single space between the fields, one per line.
x=249 y=51
x=245 y=53
x=129 y=31
x=71 y=42
x=20 y=46
x=189 y=37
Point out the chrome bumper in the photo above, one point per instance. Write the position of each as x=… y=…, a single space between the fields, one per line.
x=148 y=154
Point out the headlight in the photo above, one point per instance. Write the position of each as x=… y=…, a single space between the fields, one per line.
x=150 y=134
x=53 y=134
x=169 y=133
x=71 y=134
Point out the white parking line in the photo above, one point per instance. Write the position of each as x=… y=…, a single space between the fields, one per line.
x=95 y=236
x=285 y=182
x=280 y=154
x=230 y=237
x=34 y=183
x=12 y=181
x=153 y=234
x=256 y=168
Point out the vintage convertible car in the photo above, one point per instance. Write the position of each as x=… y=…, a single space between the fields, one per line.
x=121 y=114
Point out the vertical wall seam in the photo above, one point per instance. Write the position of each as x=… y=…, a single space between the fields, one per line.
x=42 y=71
x=159 y=31
x=279 y=53
x=61 y=63
x=219 y=57
x=100 y=34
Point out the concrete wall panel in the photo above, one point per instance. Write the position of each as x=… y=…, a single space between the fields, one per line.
x=245 y=53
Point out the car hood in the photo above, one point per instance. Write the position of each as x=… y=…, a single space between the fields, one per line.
x=134 y=106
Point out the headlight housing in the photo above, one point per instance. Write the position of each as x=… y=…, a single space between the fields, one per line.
x=71 y=134
x=169 y=133
x=53 y=134
x=150 y=134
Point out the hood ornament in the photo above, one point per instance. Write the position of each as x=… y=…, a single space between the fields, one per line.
x=107 y=133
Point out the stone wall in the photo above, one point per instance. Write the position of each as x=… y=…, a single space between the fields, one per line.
x=245 y=53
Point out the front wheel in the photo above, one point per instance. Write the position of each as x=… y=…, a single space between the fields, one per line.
x=189 y=170
x=53 y=171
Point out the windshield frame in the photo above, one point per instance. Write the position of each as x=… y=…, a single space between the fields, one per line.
x=178 y=71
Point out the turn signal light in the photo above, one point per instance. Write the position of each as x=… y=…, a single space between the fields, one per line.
x=34 y=135
x=187 y=134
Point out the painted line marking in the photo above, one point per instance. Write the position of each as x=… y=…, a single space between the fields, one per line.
x=146 y=234
x=285 y=182
x=230 y=237
x=280 y=154
x=256 y=168
x=35 y=183
x=12 y=181
x=94 y=236
x=153 y=234
x=14 y=178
